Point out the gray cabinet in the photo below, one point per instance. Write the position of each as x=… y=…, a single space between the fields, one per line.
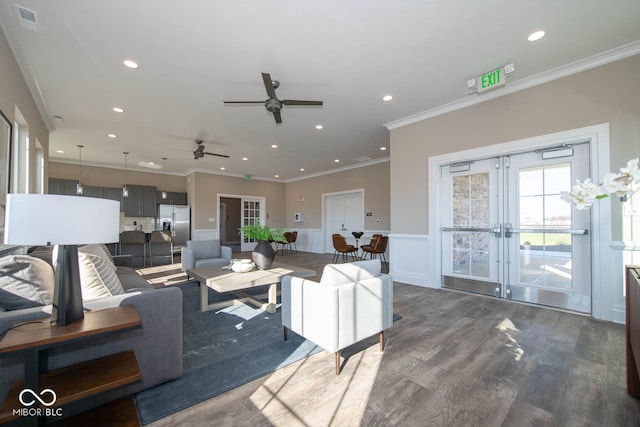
x=141 y=201
x=114 y=194
x=65 y=187
x=173 y=198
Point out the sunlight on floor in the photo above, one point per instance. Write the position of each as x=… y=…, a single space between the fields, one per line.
x=284 y=398
x=508 y=328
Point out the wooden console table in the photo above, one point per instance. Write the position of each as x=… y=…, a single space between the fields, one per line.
x=633 y=329
x=75 y=382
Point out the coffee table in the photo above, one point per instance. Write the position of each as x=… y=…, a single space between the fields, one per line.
x=228 y=281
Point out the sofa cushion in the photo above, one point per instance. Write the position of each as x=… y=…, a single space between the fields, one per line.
x=98 y=278
x=204 y=248
x=25 y=282
x=131 y=281
x=339 y=274
x=98 y=250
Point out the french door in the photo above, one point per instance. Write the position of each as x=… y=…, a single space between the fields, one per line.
x=252 y=212
x=506 y=232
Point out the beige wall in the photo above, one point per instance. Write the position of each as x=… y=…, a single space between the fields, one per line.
x=14 y=93
x=610 y=93
x=374 y=179
x=206 y=188
x=109 y=177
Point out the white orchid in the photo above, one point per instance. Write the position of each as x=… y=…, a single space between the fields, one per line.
x=616 y=183
x=583 y=194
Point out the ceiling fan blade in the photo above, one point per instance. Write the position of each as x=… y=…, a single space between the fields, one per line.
x=277 y=116
x=268 y=85
x=300 y=102
x=243 y=102
x=216 y=154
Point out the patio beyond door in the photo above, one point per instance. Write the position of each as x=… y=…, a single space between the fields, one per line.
x=507 y=233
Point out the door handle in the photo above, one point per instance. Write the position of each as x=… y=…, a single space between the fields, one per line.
x=496 y=229
x=509 y=230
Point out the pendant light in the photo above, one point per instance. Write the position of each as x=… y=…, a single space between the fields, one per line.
x=163 y=195
x=125 y=190
x=79 y=187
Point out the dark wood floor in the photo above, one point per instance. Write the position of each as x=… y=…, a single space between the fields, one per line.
x=451 y=359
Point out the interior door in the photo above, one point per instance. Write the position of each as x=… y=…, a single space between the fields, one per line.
x=344 y=213
x=251 y=213
x=506 y=232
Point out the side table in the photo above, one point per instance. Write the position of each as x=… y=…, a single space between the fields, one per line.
x=69 y=383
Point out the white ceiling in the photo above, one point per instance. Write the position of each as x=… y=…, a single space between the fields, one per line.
x=194 y=54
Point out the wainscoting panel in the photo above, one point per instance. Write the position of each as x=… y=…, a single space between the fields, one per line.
x=410 y=260
x=204 y=234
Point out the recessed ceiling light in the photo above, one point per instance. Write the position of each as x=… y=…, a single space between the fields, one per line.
x=60 y=151
x=319 y=127
x=112 y=135
x=387 y=98
x=274 y=146
x=537 y=35
x=383 y=148
x=222 y=168
x=244 y=158
x=130 y=63
x=118 y=110
x=337 y=161
x=301 y=169
x=276 y=176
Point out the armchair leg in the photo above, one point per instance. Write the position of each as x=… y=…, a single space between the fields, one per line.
x=381 y=336
x=338 y=362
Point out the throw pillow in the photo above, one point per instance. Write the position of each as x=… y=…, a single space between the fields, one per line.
x=97 y=277
x=25 y=282
x=339 y=274
x=98 y=250
x=205 y=248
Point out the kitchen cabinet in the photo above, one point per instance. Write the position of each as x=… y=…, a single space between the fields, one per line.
x=173 y=198
x=114 y=194
x=141 y=201
x=65 y=187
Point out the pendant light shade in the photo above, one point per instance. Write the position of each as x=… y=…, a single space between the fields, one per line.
x=125 y=190
x=163 y=195
x=79 y=187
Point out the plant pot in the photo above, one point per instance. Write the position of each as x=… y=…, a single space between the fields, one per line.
x=263 y=255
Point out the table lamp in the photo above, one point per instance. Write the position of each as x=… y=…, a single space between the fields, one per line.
x=66 y=221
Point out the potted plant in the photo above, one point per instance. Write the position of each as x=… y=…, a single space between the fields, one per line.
x=263 y=254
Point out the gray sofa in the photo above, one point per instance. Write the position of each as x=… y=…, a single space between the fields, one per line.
x=157 y=344
x=205 y=253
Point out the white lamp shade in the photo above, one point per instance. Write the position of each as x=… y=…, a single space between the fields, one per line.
x=48 y=219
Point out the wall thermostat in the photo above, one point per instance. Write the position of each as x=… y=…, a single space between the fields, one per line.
x=297 y=217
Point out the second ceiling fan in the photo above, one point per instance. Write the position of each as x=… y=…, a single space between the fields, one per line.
x=273 y=104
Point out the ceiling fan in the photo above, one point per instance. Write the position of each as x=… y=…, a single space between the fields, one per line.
x=199 y=151
x=273 y=104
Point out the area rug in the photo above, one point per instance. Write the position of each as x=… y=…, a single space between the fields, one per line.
x=222 y=350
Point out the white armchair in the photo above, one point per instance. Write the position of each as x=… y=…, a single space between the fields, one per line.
x=352 y=301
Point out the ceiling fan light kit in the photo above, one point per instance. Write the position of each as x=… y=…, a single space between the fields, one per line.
x=273 y=104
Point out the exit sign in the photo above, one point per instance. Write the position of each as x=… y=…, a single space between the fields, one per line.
x=490 y=80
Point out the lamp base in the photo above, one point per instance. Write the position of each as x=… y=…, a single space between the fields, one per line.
x=67 y=293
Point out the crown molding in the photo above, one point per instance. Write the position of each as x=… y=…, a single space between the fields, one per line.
x=576 y=67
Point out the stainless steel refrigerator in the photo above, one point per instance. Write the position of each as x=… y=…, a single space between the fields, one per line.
x=177 y=219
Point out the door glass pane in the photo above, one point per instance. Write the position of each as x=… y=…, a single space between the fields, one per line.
x=470 y=250
x=545 y=256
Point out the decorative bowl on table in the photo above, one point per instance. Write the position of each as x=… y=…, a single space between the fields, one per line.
x=357 y=234
x=242 y=265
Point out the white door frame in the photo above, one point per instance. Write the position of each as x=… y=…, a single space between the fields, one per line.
x=602 y=257
x=325 y=230
x=263 y=209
